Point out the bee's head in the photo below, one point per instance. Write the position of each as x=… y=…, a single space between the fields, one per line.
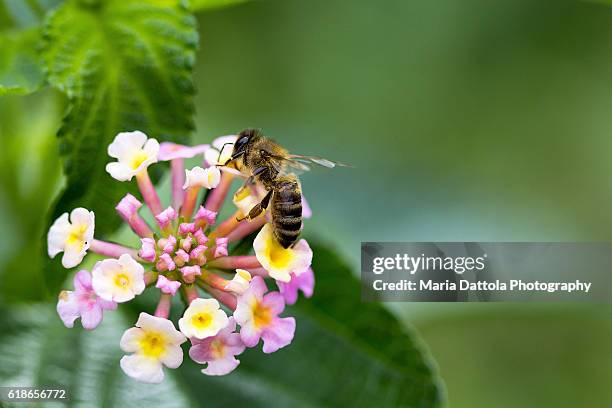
x=243 y=140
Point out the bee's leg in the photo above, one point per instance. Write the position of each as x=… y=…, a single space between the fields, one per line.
x=258 y=209
x=250 y=180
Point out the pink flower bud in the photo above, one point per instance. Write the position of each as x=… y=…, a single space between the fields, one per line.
x=186 y=228
x=128 y=207
x=165 y=217
x=147 y=250
x=204 y=216
x=197 y=254
x=169 y=245
x=200 y=237
x=165 y=263
x=166 y=285
x=181 y=258
x=221 y=247
x=190 y=272
x=186 y=244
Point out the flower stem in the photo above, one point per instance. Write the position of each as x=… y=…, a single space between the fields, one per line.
x=259 y=272
x=189 y=202
x=217 y=196
x=149 y=194
x=227 y=226
x=213 y=280
x=140 y=226
x=163 y=307
x=111 y=249
x=235 y=262
x=246 y=228
x=177 y=167
x=190 y=292
x=226 y=298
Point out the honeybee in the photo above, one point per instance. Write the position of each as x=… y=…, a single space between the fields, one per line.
x=264 y=161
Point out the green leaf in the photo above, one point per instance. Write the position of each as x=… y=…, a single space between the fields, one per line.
x=125 y=65
x=20 y=72
x=19 y=14
x=345 y=353
x=37 y=350
x=203 y=5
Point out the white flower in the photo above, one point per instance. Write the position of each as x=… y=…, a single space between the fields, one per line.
x=214 y=155
x=154 y=342
x=72 y=237
x=245 y=199
x=203 y=318
x=199 y=177
x=134 y=153
x=118 y=280
x=240 y=282
x=279 y=261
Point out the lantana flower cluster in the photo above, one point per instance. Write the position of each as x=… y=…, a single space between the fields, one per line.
x=229 y=306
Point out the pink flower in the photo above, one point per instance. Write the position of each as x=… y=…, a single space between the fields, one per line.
x=165 y=217
x=169 y=244
x=186 y=244
x=258 y=318
x=147 y=250
x=83 y=303
x=218 y=351
x=166 y=285
x=171 y=151
x=204 y=216
x=186 y=228
x=200 y=237
x=128 y=207
x=165 y=263
x=197 y=254
x=181 y=258
x=190 y=272
x=304 y=281
x=221 y=247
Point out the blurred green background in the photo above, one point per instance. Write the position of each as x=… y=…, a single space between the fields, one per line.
x=471 y=121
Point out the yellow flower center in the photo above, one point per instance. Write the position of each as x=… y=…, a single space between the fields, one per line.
x=279 y=256
x=201 y=320
x=262 y=316
x=122 y=280
x=137 y=159
x=217 y=348
x=77 y=236
x=153 y=344
x=242 y=193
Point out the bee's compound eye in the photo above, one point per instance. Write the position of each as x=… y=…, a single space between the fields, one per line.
x=241 y=142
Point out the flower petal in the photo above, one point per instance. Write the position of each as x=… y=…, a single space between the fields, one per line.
x=130 y=339
x=82 y=281
x=92 y=317
x=125 y=142
x=249 y=334
x=58 y=233
x=275 y=302
x=221 y=366
x=143 y=369
x=173 y=356
x=68 y=308
x=279 y=334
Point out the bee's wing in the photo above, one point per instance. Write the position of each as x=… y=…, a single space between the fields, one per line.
x=286 y=166
x=298 y=164
x=297 y=158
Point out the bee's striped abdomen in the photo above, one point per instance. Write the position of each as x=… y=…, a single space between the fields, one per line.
x=287 y=210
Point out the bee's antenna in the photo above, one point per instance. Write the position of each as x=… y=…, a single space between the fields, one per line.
x=221 y=151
